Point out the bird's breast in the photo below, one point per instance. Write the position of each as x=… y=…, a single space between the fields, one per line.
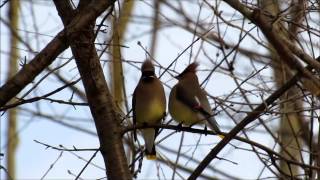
x=151 y=113
x=183 y=113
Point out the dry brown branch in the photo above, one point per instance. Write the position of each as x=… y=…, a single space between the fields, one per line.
x=99 y=97
x=48 y=54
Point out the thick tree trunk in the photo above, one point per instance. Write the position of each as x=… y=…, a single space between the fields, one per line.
x=12 y=135
x=100 y=101
x=120 y=25
x=290 y=119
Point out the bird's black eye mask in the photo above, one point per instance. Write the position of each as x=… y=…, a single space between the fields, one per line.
x=148 y=74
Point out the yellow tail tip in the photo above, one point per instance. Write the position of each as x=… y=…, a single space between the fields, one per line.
x=221 y=136
x=151 y=157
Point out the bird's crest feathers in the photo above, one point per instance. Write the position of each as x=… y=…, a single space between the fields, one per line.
x=191 y=68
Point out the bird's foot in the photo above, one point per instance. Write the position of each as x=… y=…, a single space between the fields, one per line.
x=179 y=127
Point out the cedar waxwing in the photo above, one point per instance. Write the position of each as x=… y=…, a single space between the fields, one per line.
x=149 y=106
x=188 y=103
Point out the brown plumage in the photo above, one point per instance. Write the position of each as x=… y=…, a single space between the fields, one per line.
x=149 y=105
x=188 y=103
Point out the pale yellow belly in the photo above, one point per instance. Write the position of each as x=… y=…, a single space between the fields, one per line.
x=151 y=114
x=183 y=114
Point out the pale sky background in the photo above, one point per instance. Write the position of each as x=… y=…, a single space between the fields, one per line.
x=33 y=159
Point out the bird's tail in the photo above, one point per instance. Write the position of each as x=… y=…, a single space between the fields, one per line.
x=151 y=155
x=149 y=135
x=213 y=125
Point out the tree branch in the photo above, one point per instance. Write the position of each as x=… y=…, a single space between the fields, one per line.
x=48 y=54
x=100 y=101
x=265 y=23
x=248 y=119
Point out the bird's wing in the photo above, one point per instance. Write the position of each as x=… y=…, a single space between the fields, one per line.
x=187 y=96
x=201 y=95
x=206 y=109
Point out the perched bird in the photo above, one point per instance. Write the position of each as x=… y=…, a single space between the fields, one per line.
x=188 y=103
x=149 y=106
